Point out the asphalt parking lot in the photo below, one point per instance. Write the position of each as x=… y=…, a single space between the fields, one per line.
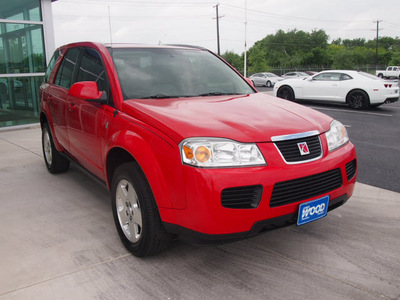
x=58 y=241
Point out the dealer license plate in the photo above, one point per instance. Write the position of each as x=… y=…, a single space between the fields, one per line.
x=313 y=210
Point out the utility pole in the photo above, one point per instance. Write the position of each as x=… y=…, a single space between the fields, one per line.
x=217 y=17
x=377 y=41
x=245 y=40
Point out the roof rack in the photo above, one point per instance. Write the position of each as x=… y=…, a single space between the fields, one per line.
x=187 y=46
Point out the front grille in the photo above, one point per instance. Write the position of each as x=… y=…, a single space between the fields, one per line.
x=351 y=169
x=241 y=197
x=304 y=188
x=291 y=153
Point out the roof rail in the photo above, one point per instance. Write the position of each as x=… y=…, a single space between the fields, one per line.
x=187 y=46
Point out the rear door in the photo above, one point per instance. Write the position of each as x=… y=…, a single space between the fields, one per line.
x=58 y=96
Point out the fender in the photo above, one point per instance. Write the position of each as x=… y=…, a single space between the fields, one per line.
x=165 y=179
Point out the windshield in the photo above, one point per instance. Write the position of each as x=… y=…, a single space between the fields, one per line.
x=152 y=73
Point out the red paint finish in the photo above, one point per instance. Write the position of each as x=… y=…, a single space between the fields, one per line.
x=151 y=130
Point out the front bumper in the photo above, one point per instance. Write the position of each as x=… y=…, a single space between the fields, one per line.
x=205 y=218
x=199 y=238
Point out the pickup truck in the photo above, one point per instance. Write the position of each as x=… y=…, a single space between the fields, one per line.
x=187 y=147
x=390 y=72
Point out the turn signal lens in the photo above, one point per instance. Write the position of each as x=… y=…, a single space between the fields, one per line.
x=188 y=152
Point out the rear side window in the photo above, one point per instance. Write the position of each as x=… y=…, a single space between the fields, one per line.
x=65 y=73
x=51 y=65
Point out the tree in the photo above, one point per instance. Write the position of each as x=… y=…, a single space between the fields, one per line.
x=395 y=61
x=234 y=60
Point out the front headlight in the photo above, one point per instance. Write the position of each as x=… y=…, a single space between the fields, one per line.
x=218 y=152
x=337 y=136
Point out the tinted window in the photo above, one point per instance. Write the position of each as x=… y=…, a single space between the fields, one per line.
x=52 y=62
x=65 y=73
x=92 y=69
x=328 y=77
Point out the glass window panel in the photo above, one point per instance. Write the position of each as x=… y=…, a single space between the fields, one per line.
x=27 y=10
x=65 y=73
x=92 y=69
x=19 y=100
x=21 y=48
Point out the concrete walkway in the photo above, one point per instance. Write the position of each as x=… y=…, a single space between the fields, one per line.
x=58 y=241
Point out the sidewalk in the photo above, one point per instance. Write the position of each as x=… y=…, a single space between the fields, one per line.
x=58 y=241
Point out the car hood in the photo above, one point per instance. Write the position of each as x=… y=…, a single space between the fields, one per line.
x=246 y=118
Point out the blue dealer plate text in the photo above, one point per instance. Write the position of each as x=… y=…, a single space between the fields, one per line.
x=313 y=210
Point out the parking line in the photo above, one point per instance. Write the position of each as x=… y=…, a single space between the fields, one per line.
x=353 y=112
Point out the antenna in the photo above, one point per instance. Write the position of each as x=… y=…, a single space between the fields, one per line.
x=109 y=24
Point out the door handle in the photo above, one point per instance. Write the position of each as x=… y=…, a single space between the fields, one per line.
x=71 y=107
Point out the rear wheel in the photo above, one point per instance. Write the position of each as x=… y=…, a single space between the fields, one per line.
x=358 y=99
x=286 y=92
x=268 y=84
x=135 y=212
x=55 y=163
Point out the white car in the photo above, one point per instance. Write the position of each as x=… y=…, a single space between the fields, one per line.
x=265 y=79
x=356 y=89
x=295 y=75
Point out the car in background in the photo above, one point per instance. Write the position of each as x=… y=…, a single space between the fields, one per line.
x=4 y=82
x=356 y=89
x=310 y=72
x=201 y=155
x=267 y=79
x=295 y=75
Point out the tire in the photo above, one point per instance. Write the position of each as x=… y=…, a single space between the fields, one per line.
x=286 y=92
x=268 y=84
x=380 y=75
x=55 y=163
x=358 y=99
x=135 y=212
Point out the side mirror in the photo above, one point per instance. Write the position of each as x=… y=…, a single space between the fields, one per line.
x=87 y=90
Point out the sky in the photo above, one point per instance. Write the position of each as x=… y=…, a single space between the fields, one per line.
x=194 y=21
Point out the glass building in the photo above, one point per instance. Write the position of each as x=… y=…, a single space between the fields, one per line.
x=26 y=45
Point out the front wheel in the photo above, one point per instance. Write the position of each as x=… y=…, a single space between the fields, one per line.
x=358 y=99
x=135 y=212
x=268 y=84
x=286 y=92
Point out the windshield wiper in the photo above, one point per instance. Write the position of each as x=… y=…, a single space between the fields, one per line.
x=218 y=94
x=162 y=96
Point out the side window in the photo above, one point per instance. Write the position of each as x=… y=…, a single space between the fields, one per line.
x=328 y=77
x=345 y=77
x=52 y=62
x=65 y=73
x=389 y=68
x=92 y=69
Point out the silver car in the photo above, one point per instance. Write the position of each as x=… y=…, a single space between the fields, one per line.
x=265 y=79
x=296 y=75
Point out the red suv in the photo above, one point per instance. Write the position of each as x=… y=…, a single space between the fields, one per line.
x=187 y=146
